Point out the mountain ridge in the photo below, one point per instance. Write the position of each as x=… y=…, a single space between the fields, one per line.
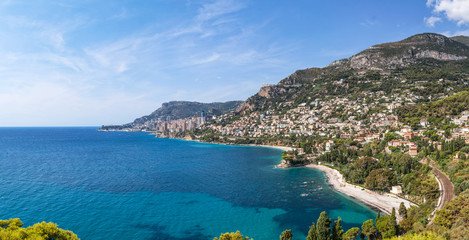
x=175 y=110
x=384 y=59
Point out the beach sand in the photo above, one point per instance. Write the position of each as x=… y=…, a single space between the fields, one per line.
x=283 y=148
x=384 y=202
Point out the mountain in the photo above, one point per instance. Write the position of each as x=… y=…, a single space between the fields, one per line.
x=408 y=51
x=415 y=63
x=175 y=110
x=461 y=39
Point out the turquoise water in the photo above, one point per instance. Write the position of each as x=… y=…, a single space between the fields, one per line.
x=117 y=185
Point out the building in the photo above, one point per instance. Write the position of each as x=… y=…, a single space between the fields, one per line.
x=394 y=143
x=396 y=190
x=413 y=150
x=409 y=135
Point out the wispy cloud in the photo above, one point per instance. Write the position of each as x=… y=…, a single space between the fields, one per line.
x=74 y=70
x=369 y=23
x=430 y=21
x=456 y=33
x=218 y=8
x=123 y=14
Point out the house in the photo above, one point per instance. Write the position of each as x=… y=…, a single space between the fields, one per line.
x=459 y=154
x=300 y=151
x=329 y=145
x=394 y=143
x=396 y=190
x=406 y=130
x=408 y=135
x=413 y=151
x=423 y=122
x=353 y=148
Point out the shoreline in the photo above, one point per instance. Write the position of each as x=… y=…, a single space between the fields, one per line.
x=383 y=202
x=283 y=148
x=379 y=202
x=376 y=201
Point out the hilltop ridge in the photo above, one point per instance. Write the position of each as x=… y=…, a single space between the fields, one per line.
x=175 y=110
x=387 y=61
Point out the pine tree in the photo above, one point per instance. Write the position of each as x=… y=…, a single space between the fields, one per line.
x=312 y=233
x=337 y=231
x=393 y=223
x=402 y=210
x=286 y=235
x=369 y=229
x=323 y=227
x=352 y=233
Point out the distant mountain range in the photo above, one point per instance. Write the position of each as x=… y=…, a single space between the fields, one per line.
x=175 y=110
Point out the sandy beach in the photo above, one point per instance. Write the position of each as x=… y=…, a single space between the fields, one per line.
x=283 y=148
x=384 y=202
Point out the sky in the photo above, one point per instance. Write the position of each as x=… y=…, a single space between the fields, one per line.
x=89 y=63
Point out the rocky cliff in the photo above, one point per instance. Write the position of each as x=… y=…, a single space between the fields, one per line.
x=386 y=58
x=406 y=52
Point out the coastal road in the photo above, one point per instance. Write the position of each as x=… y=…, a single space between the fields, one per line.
x=446 y=190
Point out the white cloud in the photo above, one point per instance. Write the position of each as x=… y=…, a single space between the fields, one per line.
x=432 y=20
x=218 y=8
x=454 y=10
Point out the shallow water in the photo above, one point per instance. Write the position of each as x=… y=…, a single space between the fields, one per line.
x=120 y=185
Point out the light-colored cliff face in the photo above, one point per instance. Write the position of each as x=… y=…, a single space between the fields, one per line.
x=406 y=52
x=376 y=59
x=244 y=107
x=271 y=91
x=439 y=55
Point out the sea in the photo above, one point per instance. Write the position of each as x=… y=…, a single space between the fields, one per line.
x=132 y=185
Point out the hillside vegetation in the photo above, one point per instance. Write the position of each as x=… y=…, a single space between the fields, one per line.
x=436 y=111
x=13 y=229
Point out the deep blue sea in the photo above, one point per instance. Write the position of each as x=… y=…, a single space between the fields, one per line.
x=121 y=185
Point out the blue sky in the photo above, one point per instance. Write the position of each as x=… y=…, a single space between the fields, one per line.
x=87 y=63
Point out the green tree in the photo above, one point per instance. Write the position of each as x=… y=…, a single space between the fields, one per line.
x=323 y=226
x=352 y=233
x=402 y=210
x=337 y=231
x=12 y=229
x=312 y=233
x=286 y=235
x=369 y=229
x=380 y=179
x=232 y=236
x=419 y=236
x=404 y=164
x=386 y=226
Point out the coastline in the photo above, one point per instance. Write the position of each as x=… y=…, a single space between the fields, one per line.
x=283 y=148
x=383 y=202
